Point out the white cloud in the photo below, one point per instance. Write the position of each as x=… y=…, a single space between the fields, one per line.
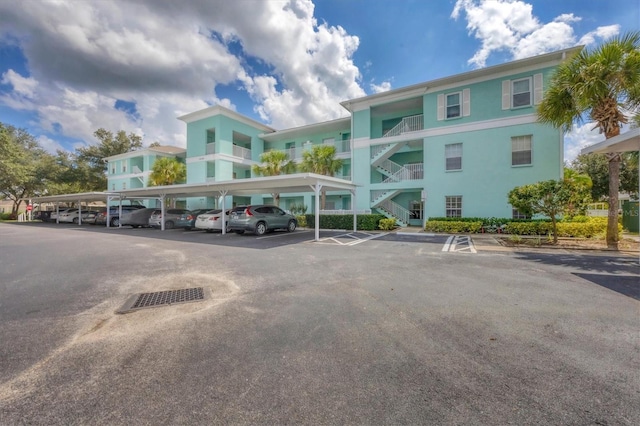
x=510 y=26
x=160 y=55
x=580 y=137
x=23 y=86
x=603 y=33
x=49 y=144
x=385 y=86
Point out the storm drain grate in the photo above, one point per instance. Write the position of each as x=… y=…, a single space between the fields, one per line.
x=160 y=298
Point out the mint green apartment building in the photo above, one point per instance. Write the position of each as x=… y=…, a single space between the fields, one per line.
x=448 y=147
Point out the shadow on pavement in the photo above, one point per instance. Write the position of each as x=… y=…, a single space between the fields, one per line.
x=628 y=285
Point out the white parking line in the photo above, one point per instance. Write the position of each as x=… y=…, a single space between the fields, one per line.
x=280 y=235
x=459 y=244
x=447 y=245
x=354 y=239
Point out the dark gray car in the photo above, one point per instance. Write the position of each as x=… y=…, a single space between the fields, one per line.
x=137 y=218
x=261 y=219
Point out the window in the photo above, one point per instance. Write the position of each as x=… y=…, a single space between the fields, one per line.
x=113 y=169
x=211 y=136
x=515 y=214
x=453 y=156
x=521 y=150
x=453 y=206
x=521 y=92
x=113 y=186
x=124 y=167
x=124 y=185
x=453 y=105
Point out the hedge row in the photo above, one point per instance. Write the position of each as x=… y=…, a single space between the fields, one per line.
x=453 y=227
x=364 y=222
x=582 y=229
x=486 y=221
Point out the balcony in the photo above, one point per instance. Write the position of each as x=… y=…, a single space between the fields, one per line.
x=241 y=152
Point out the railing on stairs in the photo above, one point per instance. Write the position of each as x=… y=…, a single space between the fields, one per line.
x=406 y=125
x=377 y=149
x=395 y=210
x=136 y=170
x=407 y=172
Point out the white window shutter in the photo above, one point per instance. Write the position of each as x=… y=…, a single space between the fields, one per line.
x=440 y=107
x=466 y=102
x=537 y=89
x=506 y=94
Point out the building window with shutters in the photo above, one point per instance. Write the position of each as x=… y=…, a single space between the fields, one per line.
x=453 y=206
x=521 y=151
x=454 y=109
x=521 y=93
x=453 y=156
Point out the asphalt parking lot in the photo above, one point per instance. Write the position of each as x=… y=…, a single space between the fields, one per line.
x=388 y=330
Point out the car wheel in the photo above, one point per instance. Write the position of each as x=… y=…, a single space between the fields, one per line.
x=228 y=228
x=292 y=226
x=115 y=222
x=239 y=232
x=168 y=225
x=135 y=226
x=261 y=228
x=75 y=220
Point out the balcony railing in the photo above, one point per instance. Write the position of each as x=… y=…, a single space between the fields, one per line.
x=136 y=170
x=241 y=152
x=211 y=148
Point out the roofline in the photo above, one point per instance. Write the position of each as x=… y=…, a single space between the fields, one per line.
x=147 y=150
x=273 y=136
x=628 y=141
x=220 y=110
x=552 y=57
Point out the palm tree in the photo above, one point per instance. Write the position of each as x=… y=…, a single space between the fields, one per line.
x=600 y=85
x=321 y=160
x=274 y=163
x=167 y=171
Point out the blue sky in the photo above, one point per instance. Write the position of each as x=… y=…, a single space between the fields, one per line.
x=68 y=68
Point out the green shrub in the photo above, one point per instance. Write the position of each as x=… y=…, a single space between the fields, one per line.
x=528 y=228
x=7 y=216
x=302 y=220
x=364 y=222
x=387 y=224
x=450 y=226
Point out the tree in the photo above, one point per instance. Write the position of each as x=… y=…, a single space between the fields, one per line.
x=167 y=171
x=549 y=197
x=274 y=163
x=321 y=160
x=108 y=146
x=25 y=168
x=580 y=189
x=598 y=85
x=596 y=166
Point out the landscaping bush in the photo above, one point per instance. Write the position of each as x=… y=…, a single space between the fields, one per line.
x=7 y=216
x=450 y=226
x=364 y=222
x=387 y=224
x=302 y=220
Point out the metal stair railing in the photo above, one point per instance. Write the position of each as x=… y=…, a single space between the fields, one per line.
x=395 y=210
x=392 y=170
x=406 y=125
x=407 y=172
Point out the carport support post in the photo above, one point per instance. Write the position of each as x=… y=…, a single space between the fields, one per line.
x=223 y=194
x=120 y=213
x=355 y=213
x=162 y=211
x=57 y=211
x=79 y=212
x=316 y=189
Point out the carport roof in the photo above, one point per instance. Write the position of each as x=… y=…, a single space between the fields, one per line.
x=629 y=141
x=301 y=182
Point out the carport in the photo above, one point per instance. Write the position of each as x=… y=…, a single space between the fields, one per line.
x=626 y=142
x=73 y=198
x=282 y=184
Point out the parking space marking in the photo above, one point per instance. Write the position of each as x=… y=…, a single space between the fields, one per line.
x=354 y=239
x=459 y=244
x=280 y=235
